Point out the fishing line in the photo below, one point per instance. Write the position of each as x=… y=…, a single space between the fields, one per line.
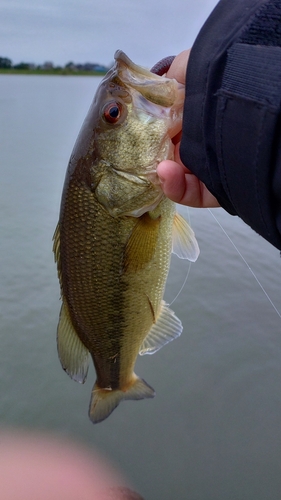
x=186 y=216
x=246 y=263
x=183 y=285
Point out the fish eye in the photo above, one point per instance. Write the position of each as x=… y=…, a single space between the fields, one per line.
x=112 y=111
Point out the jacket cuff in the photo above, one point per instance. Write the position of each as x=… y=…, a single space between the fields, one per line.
x=231 y=115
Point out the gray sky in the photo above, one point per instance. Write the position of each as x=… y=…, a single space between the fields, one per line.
x=91 y=30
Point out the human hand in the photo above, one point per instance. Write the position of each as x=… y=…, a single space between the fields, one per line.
x=178 y=182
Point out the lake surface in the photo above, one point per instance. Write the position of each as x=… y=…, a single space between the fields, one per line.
x=213 y=431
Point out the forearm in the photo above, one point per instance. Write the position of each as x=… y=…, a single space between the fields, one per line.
x=231 y=120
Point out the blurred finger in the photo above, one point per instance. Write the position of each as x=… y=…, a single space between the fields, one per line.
x=42 y=467
x=120 y=494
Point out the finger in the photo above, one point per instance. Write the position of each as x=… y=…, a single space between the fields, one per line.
x=196 y=194
x=178 y=67
x=177 y=159
x=183 y=187
x=48 y=468
x=172 y=177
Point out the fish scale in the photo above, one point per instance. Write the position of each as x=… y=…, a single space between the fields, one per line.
x=91 y=265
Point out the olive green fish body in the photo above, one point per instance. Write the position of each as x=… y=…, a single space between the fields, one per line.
x=114 y=238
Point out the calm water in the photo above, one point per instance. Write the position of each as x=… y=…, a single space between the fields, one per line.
x=213 y=432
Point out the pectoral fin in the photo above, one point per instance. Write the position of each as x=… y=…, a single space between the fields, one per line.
x=167 y=328
x=73 y=355
x=185 y=245
x=141 y=245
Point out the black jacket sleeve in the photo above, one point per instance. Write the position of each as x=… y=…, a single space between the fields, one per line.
x=232 y=116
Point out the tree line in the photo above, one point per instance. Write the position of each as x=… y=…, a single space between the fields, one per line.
x=6 y=63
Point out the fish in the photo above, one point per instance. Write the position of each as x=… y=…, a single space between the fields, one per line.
x=116 y=233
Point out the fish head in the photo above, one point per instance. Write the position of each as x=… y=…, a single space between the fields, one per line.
x=127 y=132
x=158 y=97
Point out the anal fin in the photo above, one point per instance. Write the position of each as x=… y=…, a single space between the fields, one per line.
x=166 y=328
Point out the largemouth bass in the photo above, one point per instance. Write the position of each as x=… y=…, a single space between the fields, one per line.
x=115 y=235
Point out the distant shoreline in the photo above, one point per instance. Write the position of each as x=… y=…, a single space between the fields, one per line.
x=51 y=72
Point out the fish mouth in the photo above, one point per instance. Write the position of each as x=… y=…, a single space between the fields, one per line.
x=120 y=57
x=158 y=89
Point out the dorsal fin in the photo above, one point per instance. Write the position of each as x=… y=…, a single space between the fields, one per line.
x=74 y=356
x=56 y=250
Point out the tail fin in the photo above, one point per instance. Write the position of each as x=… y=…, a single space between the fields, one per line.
x=104 y=401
